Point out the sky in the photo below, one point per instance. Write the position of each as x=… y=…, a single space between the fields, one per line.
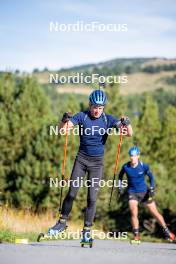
x=26 y=42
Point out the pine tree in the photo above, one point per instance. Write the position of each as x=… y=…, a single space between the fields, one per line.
x=167 y=156
x=24 y=110
x=148 y=128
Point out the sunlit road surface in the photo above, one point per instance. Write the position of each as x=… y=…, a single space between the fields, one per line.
x=103 y=251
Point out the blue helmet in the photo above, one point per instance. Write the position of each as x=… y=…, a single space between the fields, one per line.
x=134 y=151
x=98 y=97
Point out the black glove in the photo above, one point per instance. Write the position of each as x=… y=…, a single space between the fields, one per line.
x=66 y=117
x=151 y=192
x=125 y=121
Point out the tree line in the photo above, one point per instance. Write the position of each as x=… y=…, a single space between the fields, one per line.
x=29 y=156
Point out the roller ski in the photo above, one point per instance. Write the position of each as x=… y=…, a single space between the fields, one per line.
x=136 y=239
x=86 y=238
x=169 y=236
x=55 y=232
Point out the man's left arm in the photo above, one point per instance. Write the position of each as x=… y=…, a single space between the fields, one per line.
x=151 y=178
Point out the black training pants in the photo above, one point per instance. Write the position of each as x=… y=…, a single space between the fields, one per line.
x=93 y=166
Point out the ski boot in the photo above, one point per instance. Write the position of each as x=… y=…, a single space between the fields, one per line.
x=54 y=231
x=136 y=239
x=86 y=238
x=169 y=236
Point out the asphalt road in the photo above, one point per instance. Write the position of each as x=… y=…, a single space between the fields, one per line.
x=103 y=251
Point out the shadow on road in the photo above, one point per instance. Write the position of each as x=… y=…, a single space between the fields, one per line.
x=51 y=245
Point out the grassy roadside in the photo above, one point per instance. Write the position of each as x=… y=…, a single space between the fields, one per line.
x=25 y=224
x=9 y=236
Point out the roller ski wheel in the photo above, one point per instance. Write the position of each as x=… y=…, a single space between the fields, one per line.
x=44 y=237
x=136 y=240
x=56 y=236
x=86 y=238
x=87 y=243
x=53 y=233
x=40 y=237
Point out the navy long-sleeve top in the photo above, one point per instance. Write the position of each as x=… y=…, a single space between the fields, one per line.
x=136 y=176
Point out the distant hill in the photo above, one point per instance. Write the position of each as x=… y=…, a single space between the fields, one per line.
x=144 y=74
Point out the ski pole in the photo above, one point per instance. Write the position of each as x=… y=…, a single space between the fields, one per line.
x=63 y=165
x=116 y=165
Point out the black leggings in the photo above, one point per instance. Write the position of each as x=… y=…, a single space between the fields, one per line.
x=94 y=167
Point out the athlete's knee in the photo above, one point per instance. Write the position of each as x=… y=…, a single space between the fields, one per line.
x=152 y=207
